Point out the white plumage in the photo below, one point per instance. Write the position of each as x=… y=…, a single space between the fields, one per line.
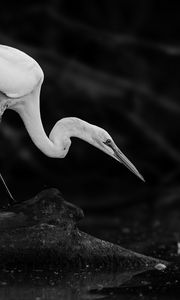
x=21 y=78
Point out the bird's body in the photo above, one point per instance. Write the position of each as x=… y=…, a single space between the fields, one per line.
x=21 y=78
x=19 y=72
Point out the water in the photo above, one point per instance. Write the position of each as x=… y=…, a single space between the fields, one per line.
x=90 y=285
x=142 y=228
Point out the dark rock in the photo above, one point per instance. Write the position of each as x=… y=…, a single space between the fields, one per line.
x=42 y=233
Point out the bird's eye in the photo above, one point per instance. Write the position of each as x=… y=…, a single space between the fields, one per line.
x=107 y=142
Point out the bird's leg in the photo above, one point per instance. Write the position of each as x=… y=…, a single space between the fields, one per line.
x=3 y=107
x=7 y=189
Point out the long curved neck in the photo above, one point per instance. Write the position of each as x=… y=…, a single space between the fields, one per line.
x=29 y=111
x=71 y=127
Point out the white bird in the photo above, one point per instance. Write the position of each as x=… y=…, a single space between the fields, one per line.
x=21 y=78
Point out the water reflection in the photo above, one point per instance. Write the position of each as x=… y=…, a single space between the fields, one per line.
x=54 y=285
x=38 y=284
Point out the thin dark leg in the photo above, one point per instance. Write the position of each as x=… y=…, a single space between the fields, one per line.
x=1 y=177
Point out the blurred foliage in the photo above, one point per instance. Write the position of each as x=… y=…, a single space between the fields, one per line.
x=114 y=64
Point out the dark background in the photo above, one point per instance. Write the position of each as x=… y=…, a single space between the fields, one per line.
x=115 y=64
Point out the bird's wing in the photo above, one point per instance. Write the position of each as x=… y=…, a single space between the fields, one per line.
x=19 y=73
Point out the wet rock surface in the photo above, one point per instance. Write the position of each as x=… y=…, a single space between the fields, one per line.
x=42 y=232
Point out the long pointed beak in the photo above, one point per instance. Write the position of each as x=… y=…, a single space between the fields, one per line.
x=118 y=155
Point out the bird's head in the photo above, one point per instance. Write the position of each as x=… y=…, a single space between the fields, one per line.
x=98 y=137
x=102 y=140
